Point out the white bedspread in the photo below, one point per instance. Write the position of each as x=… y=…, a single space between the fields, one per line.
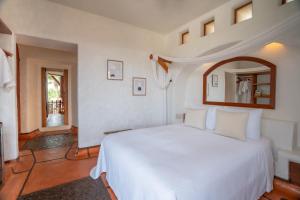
x=182 y=163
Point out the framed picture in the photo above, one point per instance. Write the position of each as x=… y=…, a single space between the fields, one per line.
x=214 y=80
x=114 y=70
x=139 y=86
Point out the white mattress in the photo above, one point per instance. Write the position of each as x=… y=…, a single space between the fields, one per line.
x=183 y=163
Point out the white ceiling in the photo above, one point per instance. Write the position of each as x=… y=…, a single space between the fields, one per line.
x=160 y=16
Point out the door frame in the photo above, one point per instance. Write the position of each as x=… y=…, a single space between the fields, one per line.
x=18 y=87
x=65 y=91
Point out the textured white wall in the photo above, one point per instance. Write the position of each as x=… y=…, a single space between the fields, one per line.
x=32 y=59
x=102 y=105
x=266 y=14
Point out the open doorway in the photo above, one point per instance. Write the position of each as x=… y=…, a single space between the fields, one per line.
x=55 y=97
x=47 y=94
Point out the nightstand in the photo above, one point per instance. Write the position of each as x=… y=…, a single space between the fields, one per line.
x=294 y=173
x=288 y=166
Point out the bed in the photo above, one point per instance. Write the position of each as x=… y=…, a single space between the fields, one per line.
x=177 y=162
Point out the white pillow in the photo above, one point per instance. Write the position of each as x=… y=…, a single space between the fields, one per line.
x=211 y=117
x=232 y=124
x=254 y=121
x=195 y=118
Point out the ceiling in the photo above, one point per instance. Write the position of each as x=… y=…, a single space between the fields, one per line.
x=161 y=16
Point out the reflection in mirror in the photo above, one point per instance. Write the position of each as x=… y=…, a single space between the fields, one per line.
x=240 y=82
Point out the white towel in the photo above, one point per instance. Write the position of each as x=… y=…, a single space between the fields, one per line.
x=6 y=76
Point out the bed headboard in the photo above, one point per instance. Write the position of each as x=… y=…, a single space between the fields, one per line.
x=280 y=132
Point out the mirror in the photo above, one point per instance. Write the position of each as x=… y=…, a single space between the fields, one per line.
x=240 y=81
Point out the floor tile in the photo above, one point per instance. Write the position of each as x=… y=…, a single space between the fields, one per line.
x=24 y=163
x=50 y=154
x=12 y=186
x=51 y=173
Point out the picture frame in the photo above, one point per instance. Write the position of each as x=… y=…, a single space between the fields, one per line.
x=115 y=70
x=214 y=80
x=139 y=86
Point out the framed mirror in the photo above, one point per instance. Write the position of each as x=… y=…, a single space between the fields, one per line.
x=242 y=82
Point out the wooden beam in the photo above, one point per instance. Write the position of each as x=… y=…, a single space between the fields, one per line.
x=55 y=79
x=163 y=65
x=7 y=53
x=162 y=62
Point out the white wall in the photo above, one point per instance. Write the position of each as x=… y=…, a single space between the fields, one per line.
x=98 y=39
x=267 y=13
x=32 y=59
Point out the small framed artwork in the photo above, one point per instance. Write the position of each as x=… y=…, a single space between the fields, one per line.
x=214 y=80
x=114 y=70
x=139 y=86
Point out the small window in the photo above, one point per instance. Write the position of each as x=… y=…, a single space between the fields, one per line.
x=209 y=27
x=286 y=1
x=184 y=37
x=243 y=13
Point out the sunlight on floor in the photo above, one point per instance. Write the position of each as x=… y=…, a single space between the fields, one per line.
x=55 y=120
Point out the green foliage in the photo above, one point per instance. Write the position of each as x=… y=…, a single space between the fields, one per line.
x=53 y=94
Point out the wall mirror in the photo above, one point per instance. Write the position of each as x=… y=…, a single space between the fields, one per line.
x=242 y=82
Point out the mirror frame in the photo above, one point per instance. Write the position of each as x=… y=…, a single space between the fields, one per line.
x=271 y=105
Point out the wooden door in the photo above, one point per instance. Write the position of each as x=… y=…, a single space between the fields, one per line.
x=64 y=91
x=44 y=96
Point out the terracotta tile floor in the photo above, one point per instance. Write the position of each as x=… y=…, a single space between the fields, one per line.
x=36 y=170
x=56 y=172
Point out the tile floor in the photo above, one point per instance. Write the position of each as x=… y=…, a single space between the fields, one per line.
x=36 y=170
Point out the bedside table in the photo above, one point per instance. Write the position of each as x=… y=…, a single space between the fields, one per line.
x=288 y=166
x=294 y=173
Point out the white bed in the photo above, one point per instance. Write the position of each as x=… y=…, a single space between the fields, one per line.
x=183 y=163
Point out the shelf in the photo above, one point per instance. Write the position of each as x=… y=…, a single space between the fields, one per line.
x=264 y=96
x=259 y=84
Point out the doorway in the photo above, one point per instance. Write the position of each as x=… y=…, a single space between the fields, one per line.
x=54 y=97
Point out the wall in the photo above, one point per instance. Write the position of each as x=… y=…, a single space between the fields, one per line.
x=32 y=59
x=98 y=39
x=188 y=80
x=267 y=13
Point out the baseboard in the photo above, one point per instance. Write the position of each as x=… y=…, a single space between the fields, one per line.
x=29 y=135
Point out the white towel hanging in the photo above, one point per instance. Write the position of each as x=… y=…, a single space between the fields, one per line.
x=6 y=76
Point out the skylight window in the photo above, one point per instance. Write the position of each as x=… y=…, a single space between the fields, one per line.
x=184 y=37
x=243 y=13
x=209 y=27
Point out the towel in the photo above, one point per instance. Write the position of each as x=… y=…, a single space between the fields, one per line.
x=6 y=76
